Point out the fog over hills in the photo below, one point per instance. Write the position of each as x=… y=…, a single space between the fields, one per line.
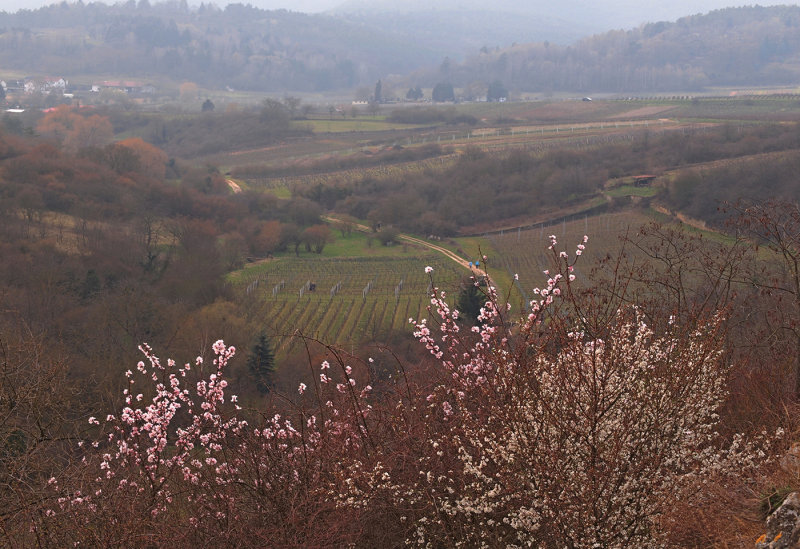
x=504 y=22
x=458 y=28
x=602 y=15
x=625 y=12
x=746 y=46
x=461 y=43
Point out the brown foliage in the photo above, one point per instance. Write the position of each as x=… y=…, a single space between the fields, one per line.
x=39 y=406
x=152 y=160
x=316 y=237
x=267 y=239
x=73 y=130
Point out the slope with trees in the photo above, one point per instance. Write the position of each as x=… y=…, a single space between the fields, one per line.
x=748 y=46
x=239 y=46
x=243 y=47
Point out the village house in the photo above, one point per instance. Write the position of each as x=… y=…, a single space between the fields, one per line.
x=44 y=85
x=127 y=86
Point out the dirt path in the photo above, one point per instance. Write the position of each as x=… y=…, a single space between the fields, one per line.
x=234 y=186
x=444 y=251
x=418 y=241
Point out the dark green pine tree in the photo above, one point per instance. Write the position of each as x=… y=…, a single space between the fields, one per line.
x=261 y=364
x=470 y=301
x=496 y=91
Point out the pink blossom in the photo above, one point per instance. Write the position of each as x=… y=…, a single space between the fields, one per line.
x=448 y=410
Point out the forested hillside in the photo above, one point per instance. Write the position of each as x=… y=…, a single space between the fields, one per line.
x=750 y=46
x=242 y=47
x=239 y=47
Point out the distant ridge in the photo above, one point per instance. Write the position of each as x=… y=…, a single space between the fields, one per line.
x=748 y=46
x=531 y=49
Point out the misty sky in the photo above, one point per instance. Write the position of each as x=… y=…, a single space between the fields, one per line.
x=681 y=7
x=295 y=5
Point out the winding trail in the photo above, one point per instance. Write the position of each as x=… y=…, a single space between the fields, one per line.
x=420 y=242
x=234 y=186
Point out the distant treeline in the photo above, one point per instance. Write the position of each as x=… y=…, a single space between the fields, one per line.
x=704 y=193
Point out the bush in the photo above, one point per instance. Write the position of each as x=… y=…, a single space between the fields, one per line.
x=388 y=235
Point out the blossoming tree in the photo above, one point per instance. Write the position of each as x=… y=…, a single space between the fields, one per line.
x=529 y=432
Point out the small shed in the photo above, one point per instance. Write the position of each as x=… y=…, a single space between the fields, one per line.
x=643 y=180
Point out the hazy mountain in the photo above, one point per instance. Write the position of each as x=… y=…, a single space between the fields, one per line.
x=244 y=47
x=240 y=46
x=456 y=34
x=749 y=46
x=459 y=27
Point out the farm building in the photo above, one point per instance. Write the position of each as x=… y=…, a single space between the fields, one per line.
x=643 y=180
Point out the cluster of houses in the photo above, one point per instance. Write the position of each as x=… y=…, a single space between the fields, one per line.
x=128 y=86
x=47 y=85
x=31 y=85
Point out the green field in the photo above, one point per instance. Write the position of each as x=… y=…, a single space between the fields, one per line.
x=354 y=299
x=359 y=297
x=360 y=123
x=631 y=190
